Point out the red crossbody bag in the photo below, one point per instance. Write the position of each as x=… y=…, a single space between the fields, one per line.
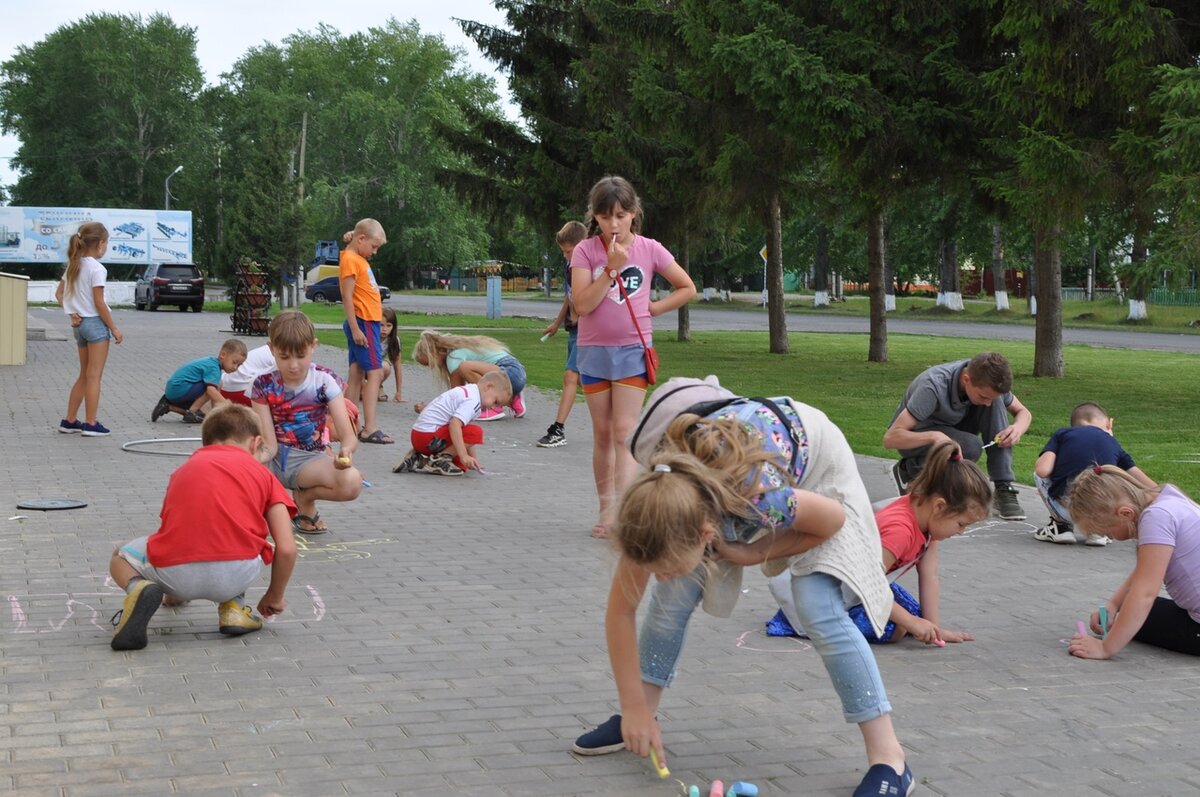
x=651 y=354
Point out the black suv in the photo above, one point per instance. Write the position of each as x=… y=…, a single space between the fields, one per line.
x=178 y=284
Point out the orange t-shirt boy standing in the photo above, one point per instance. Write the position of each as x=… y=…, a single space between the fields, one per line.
x=364 y=311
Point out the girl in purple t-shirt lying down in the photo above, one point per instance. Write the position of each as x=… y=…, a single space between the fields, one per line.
x=1166 y=524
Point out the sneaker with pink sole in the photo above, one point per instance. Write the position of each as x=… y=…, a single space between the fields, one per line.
x=518 y=405
x=491 y=414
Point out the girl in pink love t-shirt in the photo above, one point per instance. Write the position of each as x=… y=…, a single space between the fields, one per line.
x=609 y=352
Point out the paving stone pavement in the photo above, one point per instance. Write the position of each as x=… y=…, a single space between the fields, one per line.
x=447 y=637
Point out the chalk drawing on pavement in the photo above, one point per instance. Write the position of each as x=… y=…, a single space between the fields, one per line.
x=50 y=612
x=792 y=644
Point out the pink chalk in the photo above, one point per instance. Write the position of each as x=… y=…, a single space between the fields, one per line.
x=941 y=643
x=717 y=790
x=1081 y=628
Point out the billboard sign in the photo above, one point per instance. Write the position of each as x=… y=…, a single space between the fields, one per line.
x=139 y=237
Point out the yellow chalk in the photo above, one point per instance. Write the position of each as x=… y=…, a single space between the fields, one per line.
x=663 y=772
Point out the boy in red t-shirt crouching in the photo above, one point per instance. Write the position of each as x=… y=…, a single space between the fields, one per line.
x=219 y=508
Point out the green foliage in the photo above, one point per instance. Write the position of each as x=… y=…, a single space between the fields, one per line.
x=104 y=108
x=372 y=109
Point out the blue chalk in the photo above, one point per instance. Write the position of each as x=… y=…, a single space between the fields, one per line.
x=742 y=789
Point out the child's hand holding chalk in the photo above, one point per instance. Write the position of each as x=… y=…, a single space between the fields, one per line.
x=663 y=772
x=1081 y=628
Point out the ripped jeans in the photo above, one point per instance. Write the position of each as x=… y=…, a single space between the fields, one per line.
x=822 y=611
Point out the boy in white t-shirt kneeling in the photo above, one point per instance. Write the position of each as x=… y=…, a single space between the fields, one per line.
x=443 y=439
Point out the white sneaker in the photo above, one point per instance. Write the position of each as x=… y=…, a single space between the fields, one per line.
x=1097 y=540
x=1052 y=533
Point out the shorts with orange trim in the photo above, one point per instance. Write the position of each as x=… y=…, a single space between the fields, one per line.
x=593 y=386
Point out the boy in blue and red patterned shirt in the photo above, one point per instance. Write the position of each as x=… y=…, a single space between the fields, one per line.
x=295 y=399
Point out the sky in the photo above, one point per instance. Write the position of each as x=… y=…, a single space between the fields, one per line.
x=226 y=29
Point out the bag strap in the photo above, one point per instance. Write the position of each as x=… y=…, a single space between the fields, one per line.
x=704 y=408
x=629 y=305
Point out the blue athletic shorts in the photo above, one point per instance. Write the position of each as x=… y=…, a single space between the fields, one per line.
x=369 y=357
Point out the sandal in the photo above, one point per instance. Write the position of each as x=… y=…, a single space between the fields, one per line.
x=312 y=520
x=383 y=396
x=376 y=436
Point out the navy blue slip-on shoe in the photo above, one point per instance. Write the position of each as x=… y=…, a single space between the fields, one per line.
x=883 y=781
x=602 y=740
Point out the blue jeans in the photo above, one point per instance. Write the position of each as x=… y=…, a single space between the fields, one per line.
x=1057 y=507
x=822 y=611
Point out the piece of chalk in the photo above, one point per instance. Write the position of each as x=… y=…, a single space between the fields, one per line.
x=367 y=483
x=1081 y=628
x=741 y=788
x=717 y=790
x=663 y=772
x=545 y=337
x=1104 y=622
x=941 y=643
x=694 y=791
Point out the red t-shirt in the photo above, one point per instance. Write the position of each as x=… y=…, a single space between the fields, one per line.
x=215 y=509
x=899 y=532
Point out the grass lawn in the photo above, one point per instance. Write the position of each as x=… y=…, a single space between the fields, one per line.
x=1150 y=394
x=1100 y=314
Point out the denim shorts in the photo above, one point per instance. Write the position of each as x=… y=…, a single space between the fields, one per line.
x=91 y=329
x=512 y=367
x=572 y=338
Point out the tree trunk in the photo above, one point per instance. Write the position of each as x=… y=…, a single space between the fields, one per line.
x=1139 y=279
x=684 y=331
x=1031 y=289
x=821 y=268
x=949 y=287
x=776 y=320
x=999 y=284
x=876 y=256
x=889 y=277
x=1047 y=343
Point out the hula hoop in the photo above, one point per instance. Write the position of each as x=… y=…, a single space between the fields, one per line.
x=133 y=446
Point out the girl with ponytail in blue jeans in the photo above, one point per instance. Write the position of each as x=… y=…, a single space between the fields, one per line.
x=734 y=482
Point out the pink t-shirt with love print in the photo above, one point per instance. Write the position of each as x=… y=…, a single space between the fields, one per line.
x=609 y=324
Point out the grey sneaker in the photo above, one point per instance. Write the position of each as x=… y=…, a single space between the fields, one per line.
x=900 y=476
x=160 y=409
x=1096 y=540
x=441 y=465
x=554 y=436
x=1007 y=505
x=410 y=464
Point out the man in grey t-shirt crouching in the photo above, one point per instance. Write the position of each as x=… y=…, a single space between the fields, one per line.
x=969 y=402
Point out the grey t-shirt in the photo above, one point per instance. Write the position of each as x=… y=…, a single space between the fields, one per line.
x=934 y=397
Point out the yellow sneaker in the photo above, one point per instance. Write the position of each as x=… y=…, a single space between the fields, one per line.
x=236 y=619
x=141 y=603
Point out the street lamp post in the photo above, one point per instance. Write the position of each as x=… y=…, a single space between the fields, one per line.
x=167 y=187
